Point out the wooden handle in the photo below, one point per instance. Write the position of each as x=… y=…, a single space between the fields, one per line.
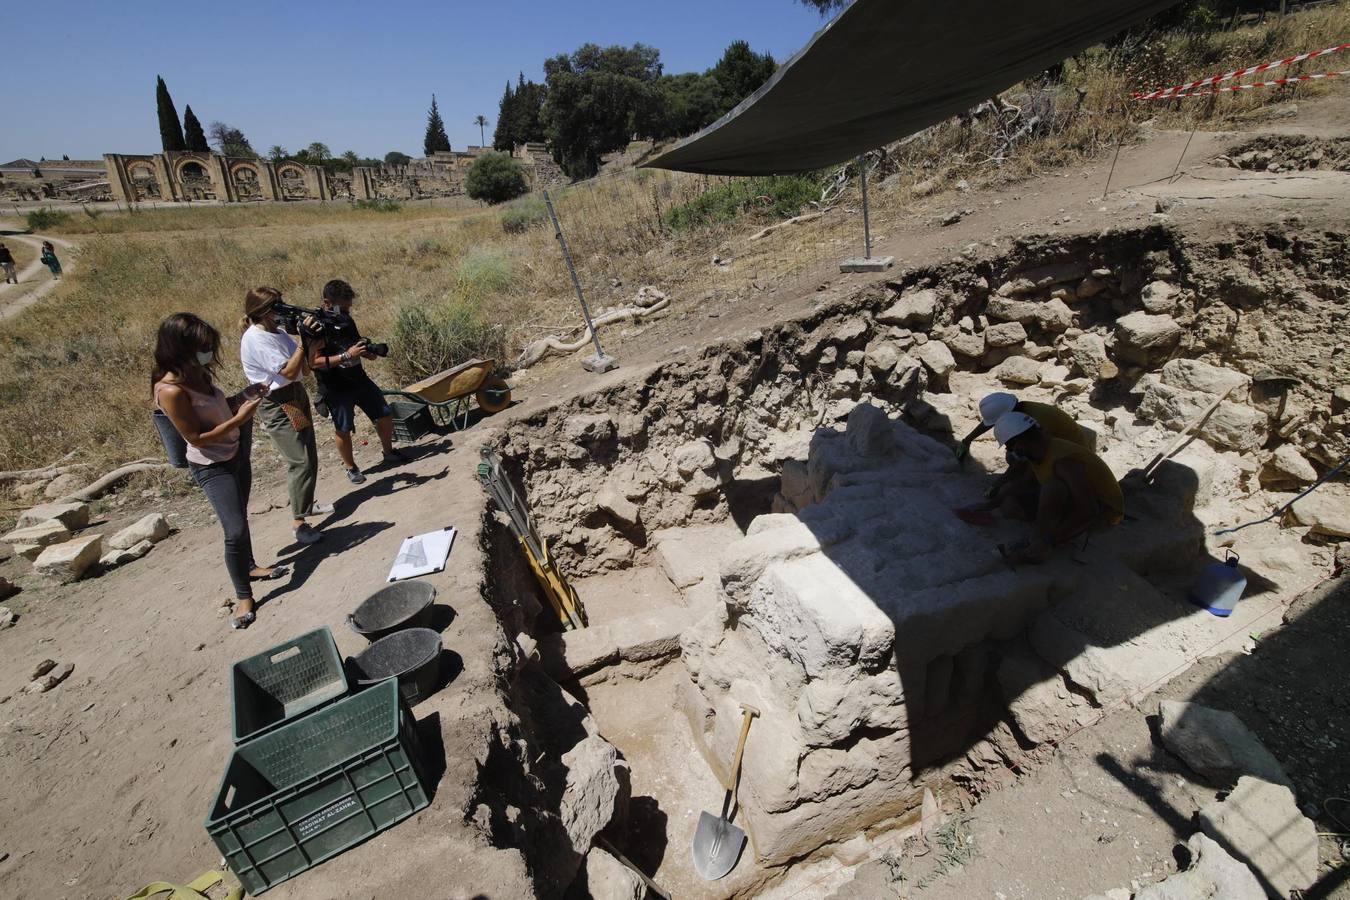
x=748 y=712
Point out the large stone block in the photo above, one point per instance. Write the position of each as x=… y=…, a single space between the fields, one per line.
x=688 y=555
x=914 y=309
x=1212 y=874
x=40 y=535
x=1216 y=744
x=153 y=528
x=937 y=358
x=72 y=515
x=1009 y=334
x=1326 y=511
x=609 y=879
x=744 y=561
x=69 y=561
x=1233 y=426
x=1018 y=370
x=1194 y=375
x=1088 y=353
x=1141 y=336
x=1260 y=824
x=591 y=795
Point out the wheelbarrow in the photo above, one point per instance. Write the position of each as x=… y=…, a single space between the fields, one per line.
x=447 y=398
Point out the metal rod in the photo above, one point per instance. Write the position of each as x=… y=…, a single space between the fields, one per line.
x=1183 y=151
x=867 y=225
x=576 y=283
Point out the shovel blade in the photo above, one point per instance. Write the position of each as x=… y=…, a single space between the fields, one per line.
x=717 y=846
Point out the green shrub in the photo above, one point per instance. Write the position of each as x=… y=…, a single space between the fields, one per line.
x=46 y=219
x=495 y=178
x=523 y=214
x=385 y=206
x=429 y=338
x=774 y=196
x=483 y=271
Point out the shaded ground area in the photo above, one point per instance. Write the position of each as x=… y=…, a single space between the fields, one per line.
x=1110 y=807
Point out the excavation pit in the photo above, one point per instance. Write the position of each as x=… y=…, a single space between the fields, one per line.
x=771 y=523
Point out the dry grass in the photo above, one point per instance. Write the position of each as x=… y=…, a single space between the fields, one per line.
x=74 y=369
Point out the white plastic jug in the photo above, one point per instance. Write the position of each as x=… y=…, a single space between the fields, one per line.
x=1220 y=586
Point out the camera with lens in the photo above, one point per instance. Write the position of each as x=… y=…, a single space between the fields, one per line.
x=329 y=327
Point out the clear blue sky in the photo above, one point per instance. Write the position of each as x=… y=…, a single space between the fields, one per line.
x=79 y=77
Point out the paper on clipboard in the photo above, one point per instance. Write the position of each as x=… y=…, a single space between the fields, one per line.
x=422 y=554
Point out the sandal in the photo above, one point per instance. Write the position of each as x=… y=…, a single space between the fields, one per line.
x=239 y=623
x=273 y=573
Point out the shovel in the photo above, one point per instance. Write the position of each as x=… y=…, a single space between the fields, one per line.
x=718 y=843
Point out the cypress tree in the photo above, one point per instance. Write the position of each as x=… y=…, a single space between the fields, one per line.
x=436 y=139
x=503 y=137
x=170 y=129
x=192 y=132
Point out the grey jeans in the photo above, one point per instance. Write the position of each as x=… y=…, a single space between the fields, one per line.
x=226 y=485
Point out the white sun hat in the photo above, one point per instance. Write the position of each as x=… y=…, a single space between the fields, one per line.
x=1010 y=425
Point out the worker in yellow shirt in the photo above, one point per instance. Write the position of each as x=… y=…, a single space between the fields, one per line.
x=1077 y=490
x=1055 y=421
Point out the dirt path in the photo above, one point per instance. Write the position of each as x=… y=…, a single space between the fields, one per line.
x=15 y=298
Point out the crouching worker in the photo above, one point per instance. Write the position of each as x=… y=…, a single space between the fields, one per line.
x=1056 y=422
x=271 y=356
x=1077 y=491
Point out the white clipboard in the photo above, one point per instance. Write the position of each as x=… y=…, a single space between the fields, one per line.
x=422 y=554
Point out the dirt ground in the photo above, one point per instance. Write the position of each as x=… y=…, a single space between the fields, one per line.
x=111 y=775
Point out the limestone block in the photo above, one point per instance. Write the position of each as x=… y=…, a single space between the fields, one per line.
x=688 y=555
x=695 y=456
x=808 y=611
x=744 y=561
x=589 y=429
x=1043 y=708
x=61 y=485
x=69 y=561
x=1047 y=276
x=1326 y=510
x=1005 y=309
x=1159 y=297
x=914 y=309
x=850 y=330
x=1089 y=287
x=1141 y=336
x=40 y=535
x=1016 y=287
x=1287 y=466
x=1017 y=370
x=620 y=508
x=830 y=710
x=72 y=515
x=1194 y=375
x=828 y=772
x=153 y=528
x=571 y=654
x=1008 y=334
x=1054 y=316
x=1260 y=824
x=795 y=483
x=651 y=635
x=1088 y=353
x=591 y=795
x=1216 y=745
x=115 y=558
x=881 y=357
x=869 y=431
x=1212 y=874
x=937 y=358
x=965 y=345
x=609 y=879
x=1233 y=426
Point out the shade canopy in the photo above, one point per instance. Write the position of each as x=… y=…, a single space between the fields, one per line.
x=885 y=69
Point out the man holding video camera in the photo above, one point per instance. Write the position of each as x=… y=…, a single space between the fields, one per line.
x=335 y=356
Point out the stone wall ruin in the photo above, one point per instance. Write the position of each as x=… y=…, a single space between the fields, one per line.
x=796 y=488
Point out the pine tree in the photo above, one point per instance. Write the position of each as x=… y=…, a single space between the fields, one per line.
x=192 y=132
x=436 y=139
x=170 y=129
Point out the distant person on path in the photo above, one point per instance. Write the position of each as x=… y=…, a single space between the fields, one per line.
x=7 y=263
x=218 y=431
x=49 y=259
x=271 y=356
x=343 y=383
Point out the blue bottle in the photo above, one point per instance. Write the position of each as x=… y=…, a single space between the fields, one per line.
x=1220 y=586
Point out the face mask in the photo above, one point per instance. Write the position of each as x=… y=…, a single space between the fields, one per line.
x=204 y=357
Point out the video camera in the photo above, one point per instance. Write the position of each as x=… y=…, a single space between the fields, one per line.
x=291 y=320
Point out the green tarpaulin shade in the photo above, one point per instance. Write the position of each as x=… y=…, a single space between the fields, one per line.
x=884 y=69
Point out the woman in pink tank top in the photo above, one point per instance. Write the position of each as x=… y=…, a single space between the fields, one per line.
x=217 y=429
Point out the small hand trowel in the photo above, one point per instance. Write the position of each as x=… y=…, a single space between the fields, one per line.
x=718 y=843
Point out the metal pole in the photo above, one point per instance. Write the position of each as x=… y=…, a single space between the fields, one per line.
x=600 y=358
x=867 y=225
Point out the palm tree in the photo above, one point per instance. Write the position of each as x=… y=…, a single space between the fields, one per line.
x=277 y=153
x=318 y=152
x=350 y=158
x=481 y=121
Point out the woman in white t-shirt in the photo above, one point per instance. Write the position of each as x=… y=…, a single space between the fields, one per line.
x=271 y=356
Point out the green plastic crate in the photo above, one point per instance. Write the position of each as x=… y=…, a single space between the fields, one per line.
x=411 y=420
x=310 y=790
x=283 y=682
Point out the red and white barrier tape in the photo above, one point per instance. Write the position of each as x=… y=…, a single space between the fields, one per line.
x=1188 y=90
x=1258 y=84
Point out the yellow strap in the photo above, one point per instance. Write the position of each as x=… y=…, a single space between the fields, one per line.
x=193 y=890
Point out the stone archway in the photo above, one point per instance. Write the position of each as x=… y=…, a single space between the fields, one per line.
x=143 y=180
x=291 y=176
x=194 y=179
x=246 y=180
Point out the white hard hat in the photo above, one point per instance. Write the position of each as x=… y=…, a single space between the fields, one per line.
x=1010 y=425
x=994 y=405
